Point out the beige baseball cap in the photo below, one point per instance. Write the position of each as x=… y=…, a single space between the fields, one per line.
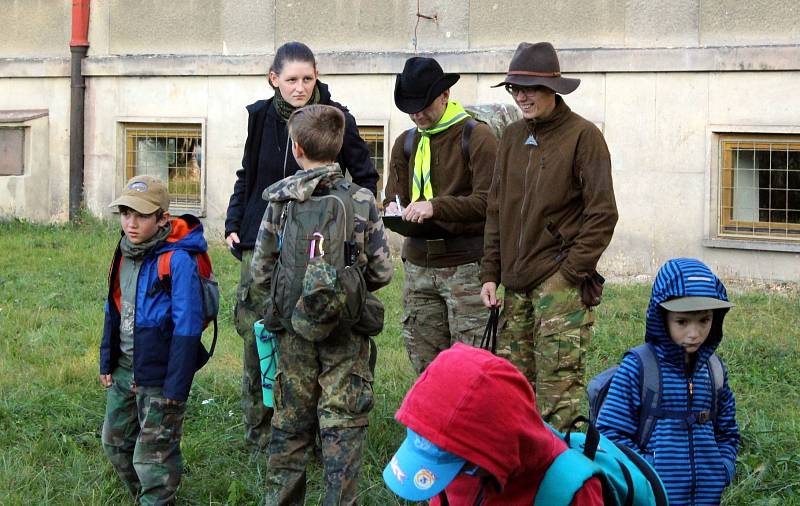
x=144 y=194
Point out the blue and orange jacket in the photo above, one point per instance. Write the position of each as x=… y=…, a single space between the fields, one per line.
x=696 y=461
x=166 y=337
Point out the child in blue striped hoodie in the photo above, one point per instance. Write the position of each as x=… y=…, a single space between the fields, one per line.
x=694 y=453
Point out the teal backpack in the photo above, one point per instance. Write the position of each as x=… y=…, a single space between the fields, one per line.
x=627 y=479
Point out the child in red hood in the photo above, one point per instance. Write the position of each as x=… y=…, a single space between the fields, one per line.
x=474 y=436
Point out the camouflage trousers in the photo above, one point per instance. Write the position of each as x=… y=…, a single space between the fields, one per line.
x=256 y=415
x=442 y=306
x=142 y=438
x=325 y=385
x=545 y=333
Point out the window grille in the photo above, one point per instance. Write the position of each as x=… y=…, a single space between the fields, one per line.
x=759 y=190
x=172 y=153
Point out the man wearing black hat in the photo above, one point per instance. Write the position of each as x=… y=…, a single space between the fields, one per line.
x=441 y=176
x=550 y=215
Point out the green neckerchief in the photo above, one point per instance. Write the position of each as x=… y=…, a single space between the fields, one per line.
x=137 y=251
x=285 y=109
x=421 y=186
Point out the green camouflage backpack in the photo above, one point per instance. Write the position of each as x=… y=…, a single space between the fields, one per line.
x=316 y=283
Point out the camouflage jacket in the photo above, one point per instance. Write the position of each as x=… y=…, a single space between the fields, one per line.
x=370 y=236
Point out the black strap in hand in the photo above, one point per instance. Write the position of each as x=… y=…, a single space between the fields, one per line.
x=489 y=340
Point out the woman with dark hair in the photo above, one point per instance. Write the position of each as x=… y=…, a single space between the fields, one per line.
x=267 y=159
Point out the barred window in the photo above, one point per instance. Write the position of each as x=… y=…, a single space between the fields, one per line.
x=172 y=152
x=374 y=137
x=760 y=187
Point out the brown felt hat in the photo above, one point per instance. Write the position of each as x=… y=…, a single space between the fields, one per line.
x=537 y=65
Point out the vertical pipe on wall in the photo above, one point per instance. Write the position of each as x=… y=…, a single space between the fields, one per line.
x=79 y=46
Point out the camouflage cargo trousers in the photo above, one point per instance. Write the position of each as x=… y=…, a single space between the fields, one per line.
x=256 y=415
x=142 y=437
x=545 y=333
x=326 y=384
x=441 y=306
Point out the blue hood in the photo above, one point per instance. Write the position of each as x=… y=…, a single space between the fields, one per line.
x=683 y=277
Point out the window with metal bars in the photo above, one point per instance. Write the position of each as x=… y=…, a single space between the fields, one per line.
x=374 y=137
x=759 y=190
x=172 y=152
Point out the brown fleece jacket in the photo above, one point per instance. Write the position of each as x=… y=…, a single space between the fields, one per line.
x=459 y=191
x=551 y=206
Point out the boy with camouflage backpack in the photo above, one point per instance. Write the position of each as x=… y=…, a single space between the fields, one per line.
x=321 y=248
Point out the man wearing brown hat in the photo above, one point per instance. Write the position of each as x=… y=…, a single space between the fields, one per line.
x=550 y=215
x=439 y=174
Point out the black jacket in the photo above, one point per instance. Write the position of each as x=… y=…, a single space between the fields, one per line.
x=268 y=158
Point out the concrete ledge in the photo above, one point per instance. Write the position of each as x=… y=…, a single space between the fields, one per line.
x=573 y=61
x=21 y=115
x=34 y=67
x=746 y=244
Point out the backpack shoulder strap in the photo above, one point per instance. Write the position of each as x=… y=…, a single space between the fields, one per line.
x=649 y=391
x=345 y=190
x=717 y=373
x=466 y=135
x=564 y=478
x=204 y=267
x=164 y=281
x=408 y=143
x=164 y=268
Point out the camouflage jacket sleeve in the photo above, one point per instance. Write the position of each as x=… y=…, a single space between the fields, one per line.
x=375 y=256
x=265 y=255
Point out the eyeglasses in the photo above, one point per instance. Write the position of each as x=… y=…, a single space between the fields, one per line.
x=514 y=90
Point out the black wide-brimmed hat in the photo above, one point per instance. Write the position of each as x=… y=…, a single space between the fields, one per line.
x=420 y=83
x=537 y=64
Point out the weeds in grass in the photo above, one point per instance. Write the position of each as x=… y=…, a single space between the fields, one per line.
x=52 y=289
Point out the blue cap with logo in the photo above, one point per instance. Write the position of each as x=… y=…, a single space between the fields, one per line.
x=419 y=469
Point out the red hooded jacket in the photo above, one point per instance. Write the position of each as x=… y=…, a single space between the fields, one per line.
x=479 y=407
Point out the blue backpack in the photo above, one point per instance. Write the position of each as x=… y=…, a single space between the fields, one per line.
x=650 y=392
x=627 y=479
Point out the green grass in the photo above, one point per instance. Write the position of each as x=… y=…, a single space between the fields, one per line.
x=52 y=286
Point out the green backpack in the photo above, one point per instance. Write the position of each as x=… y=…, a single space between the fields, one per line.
x=317 y=247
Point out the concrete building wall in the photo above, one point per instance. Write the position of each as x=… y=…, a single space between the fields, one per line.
x=41 y=28
x=652 y=79
x=41 y=192
x=34 y=28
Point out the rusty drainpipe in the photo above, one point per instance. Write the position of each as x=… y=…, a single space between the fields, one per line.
x=78 y=46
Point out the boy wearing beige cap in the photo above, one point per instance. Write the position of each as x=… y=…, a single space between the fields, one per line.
x=151 y=346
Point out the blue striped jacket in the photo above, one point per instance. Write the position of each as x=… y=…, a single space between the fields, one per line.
x=695 y=462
